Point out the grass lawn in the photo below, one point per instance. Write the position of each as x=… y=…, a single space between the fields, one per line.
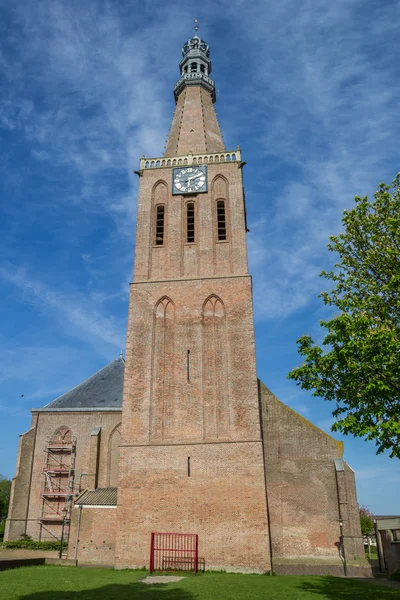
x=70 y=583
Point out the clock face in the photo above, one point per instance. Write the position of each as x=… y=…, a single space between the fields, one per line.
x=190 y=180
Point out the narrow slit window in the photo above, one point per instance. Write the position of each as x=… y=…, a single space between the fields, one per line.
x=188 y=466
x=221 y=220
x=188 y=365
x=160 y=218
x=190 y=222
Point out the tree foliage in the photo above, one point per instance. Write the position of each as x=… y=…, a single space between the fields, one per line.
x=366 y=520
x=5 y=489
x=357 y=365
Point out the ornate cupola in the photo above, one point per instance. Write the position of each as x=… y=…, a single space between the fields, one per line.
x=195 y=67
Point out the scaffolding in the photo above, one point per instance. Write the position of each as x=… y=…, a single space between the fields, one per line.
x=58 y=490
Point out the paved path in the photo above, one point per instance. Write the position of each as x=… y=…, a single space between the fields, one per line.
x=9 y=554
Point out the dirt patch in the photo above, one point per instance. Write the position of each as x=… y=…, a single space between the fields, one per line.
x=161 y=579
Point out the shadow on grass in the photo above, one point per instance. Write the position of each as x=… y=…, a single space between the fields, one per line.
x=133 y=591
x=334 y=588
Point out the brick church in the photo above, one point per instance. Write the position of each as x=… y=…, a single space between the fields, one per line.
x=181 y=436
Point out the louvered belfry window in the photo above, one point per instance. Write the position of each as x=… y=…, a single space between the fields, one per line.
x=160 y=218
x=221 y=220
x=190 y=222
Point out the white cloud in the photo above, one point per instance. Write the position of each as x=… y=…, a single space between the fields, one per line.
x=76 y=315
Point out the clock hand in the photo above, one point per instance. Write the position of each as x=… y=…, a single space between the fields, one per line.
x=195 y=176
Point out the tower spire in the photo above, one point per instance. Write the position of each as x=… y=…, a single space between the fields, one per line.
x=194 y=127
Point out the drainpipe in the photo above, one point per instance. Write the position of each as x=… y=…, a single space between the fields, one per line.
x=77 y=534
x=343 y=557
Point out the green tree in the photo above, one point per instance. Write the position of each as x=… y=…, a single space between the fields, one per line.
x=366 y=520
x=357 y=365
x=5 y=489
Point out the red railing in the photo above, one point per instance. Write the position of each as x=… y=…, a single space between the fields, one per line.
x=174 y=552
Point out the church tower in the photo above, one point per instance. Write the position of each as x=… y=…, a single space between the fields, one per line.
x=191 y=454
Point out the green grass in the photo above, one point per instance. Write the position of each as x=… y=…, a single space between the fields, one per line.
x=70 y=583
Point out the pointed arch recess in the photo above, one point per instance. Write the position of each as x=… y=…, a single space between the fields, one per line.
x=114 y=442
x=216 y=418
x=162 y=370
x=62 y=435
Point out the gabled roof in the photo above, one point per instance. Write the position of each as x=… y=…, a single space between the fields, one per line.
x=101 y=390
x=98 y=497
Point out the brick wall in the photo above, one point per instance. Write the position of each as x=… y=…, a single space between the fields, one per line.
x=96 y=535
x=223 y=501
x=302 y=487
x=26 y=501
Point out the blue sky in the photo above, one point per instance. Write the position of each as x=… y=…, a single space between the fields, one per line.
x=309 y=90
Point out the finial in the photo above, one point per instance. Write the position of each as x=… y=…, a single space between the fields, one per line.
x=120 y=354
x=196 y=25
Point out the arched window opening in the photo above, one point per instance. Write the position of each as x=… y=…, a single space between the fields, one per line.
x=221 y=220
x=205 y=159
x=228 y=157
x=193 y=67
x=158 y=163
x=202 y=68
x=185 y=162
x=160 y=218
x=163 y=163
x=190 y=222
x=195 y=161
x=211 y=159
x=233 y=156
x=200 y=160
x=62 y=436
x=185 y=69
x=179 y=161
x=152 y=164
x=147 y=164
x=168 y=163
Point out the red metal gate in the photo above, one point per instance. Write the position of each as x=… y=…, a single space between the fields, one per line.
x=174 y=552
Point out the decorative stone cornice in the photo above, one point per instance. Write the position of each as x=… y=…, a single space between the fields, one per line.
x=191 y=159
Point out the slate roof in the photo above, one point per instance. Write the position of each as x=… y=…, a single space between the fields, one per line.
x=101 y=390
x=99 y=497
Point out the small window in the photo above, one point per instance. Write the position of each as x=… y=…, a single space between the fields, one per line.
x=185 y=69
x=221 y=220
x=193 y=67
x=190 y=222
x=202 y=68
x=160 y=225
